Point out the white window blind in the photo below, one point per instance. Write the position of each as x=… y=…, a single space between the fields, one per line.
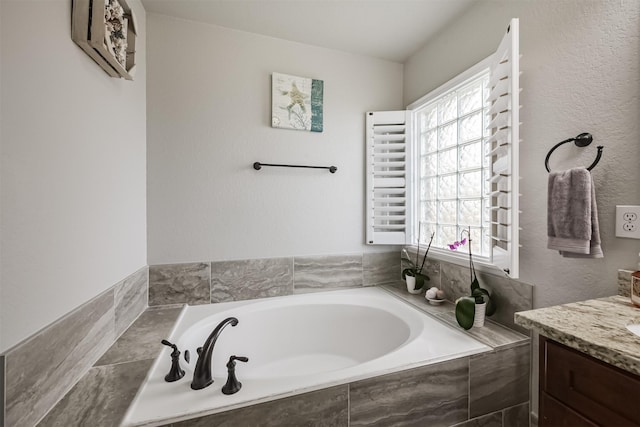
x=503 y=116
x=396 y=152
x=387 y=172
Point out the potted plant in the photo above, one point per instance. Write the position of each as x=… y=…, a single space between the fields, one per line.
x=414 y=275
x=471 y=310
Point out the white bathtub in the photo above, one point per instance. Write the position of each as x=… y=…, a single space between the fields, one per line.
x=295 y=344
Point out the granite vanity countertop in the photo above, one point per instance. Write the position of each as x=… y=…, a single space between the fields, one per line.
x=596 y=327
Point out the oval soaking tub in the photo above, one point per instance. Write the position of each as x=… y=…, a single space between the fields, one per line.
x=295 y=344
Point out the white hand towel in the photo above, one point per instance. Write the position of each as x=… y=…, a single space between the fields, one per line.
x=572 y=214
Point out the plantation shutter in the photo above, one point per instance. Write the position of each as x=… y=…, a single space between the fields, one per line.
x=387 y=195
x=504 y=90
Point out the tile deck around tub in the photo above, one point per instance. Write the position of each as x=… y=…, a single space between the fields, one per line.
x=85 y=401
x=102 y=396
x=83 y=406
x=142 y=340
x=491 y=334
x=47 y=365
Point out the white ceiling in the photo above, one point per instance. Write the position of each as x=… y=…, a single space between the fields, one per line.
x=387 y=29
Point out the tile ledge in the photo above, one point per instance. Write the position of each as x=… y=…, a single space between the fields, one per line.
x=513 y=338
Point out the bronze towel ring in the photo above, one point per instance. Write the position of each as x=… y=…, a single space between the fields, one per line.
x=581 y=140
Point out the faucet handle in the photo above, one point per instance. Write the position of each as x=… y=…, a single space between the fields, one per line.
x=233 y=385
x=176 y=371
x=239 y=358
x=168 y=344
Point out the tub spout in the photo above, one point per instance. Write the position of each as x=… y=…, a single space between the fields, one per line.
x=202 y=374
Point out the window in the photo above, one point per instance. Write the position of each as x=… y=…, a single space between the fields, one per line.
x=451 y=162
x=451 y=139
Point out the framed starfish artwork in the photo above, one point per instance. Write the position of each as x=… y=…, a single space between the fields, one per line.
x=296 y=102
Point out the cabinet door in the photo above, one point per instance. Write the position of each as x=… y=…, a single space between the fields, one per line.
x=555 y=414
x=601 y=393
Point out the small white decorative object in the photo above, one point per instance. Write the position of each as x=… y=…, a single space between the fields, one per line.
x=435 y=301
x=478 y=318
x=432 y=293
x=435 y=296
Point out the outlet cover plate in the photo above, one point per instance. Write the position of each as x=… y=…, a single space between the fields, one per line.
x=628 y=221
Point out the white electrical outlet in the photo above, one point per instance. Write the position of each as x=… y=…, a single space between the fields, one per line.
x=628 y=221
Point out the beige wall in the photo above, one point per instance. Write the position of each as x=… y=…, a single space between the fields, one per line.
x=209 y=109
x=73 y=204
x=580 y=73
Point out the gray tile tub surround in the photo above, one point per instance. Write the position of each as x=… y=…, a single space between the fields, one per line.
x=516 y=416
x=381 y=268
x=235 y=280
x=46 y=366
x=404 y=398
x=499 y=379
x=433 y=395
x=187 y=283
x=492 y=334
x=2 y=401
x=142 y=340
x=41 y=369
x=83 y=406
x=327 y=407
x=490 y=420
x=251 y=279
x=131 y=299
x=442 y=394
x=510 y=295
x=319 y=273
x=102 y=396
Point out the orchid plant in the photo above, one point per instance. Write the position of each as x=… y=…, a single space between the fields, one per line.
x=466 y=306
x=413 y=270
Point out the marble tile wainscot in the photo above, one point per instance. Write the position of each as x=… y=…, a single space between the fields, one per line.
x=462 y=392
x=37 y=372
x=223 y=281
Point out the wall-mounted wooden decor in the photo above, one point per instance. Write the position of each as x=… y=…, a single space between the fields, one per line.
x=106 y=31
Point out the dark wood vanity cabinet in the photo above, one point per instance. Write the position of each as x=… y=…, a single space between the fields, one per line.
x=579 y=390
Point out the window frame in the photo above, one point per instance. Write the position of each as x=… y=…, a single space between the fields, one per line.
x=482 y=263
